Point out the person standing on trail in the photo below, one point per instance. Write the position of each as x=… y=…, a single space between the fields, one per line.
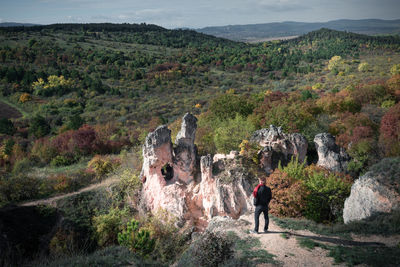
x=262 y=196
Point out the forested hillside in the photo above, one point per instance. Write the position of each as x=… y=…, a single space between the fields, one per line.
x=77 y=101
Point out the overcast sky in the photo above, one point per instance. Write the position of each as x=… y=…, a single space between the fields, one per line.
x=194 y=13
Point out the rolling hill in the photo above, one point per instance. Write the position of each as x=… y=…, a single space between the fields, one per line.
x=254 y=32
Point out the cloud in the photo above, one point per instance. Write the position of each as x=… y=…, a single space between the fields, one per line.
x=282 y=5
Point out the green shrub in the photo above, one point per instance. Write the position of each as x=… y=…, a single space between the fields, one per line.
x=6 y=126
x=107 y=226
x=395 y=69
x=22 y=165
x=227 y=105
x=294 y=169
x=170 y=241
x=363 y=67
x=42 y=151
x=308 y=191
x=102 y=165
x=231 y=132
x=327 y=194
x=63 y=243
x=19 y=188
x=136 y=239
x=212 y=249
x=361 y=154
x=75 y=122
x=388 y=103
x=61 y=161
x=39 y=126
x=250 y=151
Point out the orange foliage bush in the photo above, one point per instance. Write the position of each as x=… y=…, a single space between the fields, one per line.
x=340 y=102
x=62 y=183
x=25 y=97
x=289 y=195
x=390 y=131
x=371 y=93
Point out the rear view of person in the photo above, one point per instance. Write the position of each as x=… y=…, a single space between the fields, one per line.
x=262 y=196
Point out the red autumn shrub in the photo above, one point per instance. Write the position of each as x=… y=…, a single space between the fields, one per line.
x=352 y=128
x=289 y=195
x=390 y=131
x=76 y=142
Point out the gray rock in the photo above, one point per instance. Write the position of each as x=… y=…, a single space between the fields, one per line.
x=156 y=142
x=185 y=152
x=206 y=165
x=374 y=192
x=330 y=155
x=187 y=133
x=278 y=146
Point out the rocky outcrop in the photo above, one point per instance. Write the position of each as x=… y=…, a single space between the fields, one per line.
x=330 y=155
x=161 y=188
x=375 y=192
x=278 y=147
x=185 y=159
x=228 y=190
x=192 y=189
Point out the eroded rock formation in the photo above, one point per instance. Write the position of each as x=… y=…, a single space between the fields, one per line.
x=375 y=192
x=161 y=187
x=192 y=189
x=185 y=151
x=330 y=155
x=278 y=147
x=225 y=187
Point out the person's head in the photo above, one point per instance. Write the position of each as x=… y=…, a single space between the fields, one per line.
x=261 y=180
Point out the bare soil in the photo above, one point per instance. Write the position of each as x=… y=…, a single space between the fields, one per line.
x=53 y=200
x=8 y=112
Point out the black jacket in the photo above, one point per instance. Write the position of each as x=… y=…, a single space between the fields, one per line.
x=264 y=196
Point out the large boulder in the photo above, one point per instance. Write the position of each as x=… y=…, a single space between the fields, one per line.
x=378 y=191
x=278 y=146
x=330 y=155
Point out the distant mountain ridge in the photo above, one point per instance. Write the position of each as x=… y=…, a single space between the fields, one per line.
x=253 y=32
x=16 y=24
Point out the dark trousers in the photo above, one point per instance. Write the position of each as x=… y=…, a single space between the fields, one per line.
x=257 y=213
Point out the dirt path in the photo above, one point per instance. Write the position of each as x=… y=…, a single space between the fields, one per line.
x=284 y=243
x=52 y=201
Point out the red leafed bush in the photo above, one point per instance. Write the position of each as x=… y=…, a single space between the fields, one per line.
x=352 y=128
x=289 y=195
x=390 y=131
x=81 y=141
